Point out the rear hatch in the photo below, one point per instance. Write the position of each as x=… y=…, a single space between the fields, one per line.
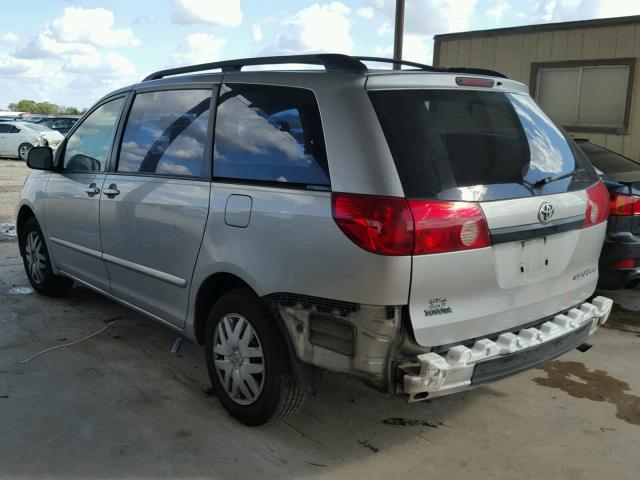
x=509 y=214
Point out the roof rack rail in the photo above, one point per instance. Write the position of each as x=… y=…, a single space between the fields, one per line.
x=331 y=61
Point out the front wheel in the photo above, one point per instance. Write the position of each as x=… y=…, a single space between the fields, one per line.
x=23 y=151
x=247 y=361
x=37 y=263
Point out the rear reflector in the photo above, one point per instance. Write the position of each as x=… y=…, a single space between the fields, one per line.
x=474 y=82
x=624 y=264
x=597 y=205
x=397 y=226
x=624 y=205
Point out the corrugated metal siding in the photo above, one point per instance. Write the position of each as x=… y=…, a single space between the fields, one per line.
x=512 y=54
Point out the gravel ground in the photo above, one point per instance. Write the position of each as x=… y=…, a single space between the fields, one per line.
x=13 y=173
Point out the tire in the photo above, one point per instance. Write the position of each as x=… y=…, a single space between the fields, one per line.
x=37 y=263
x=244 y=333
x=23 y=151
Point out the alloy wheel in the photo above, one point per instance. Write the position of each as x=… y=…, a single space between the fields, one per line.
x=36 y=260
x=23 y=151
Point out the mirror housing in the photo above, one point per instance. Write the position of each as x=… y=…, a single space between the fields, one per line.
x=40 y=158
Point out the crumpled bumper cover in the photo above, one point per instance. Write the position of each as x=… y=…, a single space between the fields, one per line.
x=435 y=375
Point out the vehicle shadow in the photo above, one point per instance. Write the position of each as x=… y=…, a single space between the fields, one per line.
x=122 y=405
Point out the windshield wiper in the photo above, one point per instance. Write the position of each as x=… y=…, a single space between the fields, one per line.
x=555 y=178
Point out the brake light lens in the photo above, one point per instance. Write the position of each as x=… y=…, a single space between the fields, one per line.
x=624 y=205
x=448 y=226
x=474 y=82
x=597 y=205
x=381 y=225
x=397 y=226
x=624 y=264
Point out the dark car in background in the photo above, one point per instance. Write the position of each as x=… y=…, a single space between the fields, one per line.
x=60 y=124
x=620 y=258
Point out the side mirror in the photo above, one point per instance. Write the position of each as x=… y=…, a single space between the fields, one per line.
x=40 y=158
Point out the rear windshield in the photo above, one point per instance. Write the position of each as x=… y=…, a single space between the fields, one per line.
x=607 y=161
x=476 y=145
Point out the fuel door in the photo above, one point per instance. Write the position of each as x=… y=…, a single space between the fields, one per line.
x=237 y=211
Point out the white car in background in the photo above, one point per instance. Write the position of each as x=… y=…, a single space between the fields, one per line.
x=17 y=138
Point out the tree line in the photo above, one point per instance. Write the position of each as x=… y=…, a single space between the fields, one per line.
x=44 y=108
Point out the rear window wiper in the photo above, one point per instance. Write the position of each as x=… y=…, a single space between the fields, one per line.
x=555 y=178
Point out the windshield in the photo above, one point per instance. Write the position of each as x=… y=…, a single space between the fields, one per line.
x=476 y=145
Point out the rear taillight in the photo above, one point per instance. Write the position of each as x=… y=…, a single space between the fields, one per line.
x=396 y=226
x=448 y=226
x=624 y=205
x=597 y=205
x=380 y=225
x=624 y=264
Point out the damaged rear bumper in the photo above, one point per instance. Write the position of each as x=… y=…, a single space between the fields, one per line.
x=462 y=368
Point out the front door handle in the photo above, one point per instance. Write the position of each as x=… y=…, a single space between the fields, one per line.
x=112 y=191
x=92 y=190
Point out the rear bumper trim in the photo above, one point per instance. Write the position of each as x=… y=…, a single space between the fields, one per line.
x=507 y=365
x=461 y=367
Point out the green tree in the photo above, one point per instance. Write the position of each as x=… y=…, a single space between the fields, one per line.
x=46 y=108
x=23 y=106
x=43 y=108
x=71 y=111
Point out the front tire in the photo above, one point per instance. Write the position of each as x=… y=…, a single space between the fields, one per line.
x=247 y=361
x=23 y=151
x=37 y=263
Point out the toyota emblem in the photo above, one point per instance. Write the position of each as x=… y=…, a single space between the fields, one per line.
x=545 y=212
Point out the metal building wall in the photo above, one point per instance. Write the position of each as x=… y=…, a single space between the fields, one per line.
x=512 y=53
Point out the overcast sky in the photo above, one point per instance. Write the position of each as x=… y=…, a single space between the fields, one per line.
x=73 y=52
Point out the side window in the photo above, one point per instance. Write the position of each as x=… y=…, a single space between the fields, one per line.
x=14 y=129
x=4 y=128
x=268 y=133
x=87 y=149
x=166 y=133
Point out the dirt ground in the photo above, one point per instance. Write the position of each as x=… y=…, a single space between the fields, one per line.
x=12 y=175
x=121 y=405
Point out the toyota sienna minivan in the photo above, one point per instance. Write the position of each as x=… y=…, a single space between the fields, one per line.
x=424 y=230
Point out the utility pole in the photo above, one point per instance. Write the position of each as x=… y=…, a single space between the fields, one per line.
x=398 y=33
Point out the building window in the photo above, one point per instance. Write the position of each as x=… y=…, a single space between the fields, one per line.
x=585 y=96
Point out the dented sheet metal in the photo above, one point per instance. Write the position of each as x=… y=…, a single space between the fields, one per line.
x=435 y=375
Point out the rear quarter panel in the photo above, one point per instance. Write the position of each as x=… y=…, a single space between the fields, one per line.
x=292 y=245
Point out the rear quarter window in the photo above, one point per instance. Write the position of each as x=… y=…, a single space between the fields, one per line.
x=269 y=134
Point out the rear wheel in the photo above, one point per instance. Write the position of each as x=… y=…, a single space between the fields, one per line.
x=37 y=263
x=248 y=362
x=23 y=151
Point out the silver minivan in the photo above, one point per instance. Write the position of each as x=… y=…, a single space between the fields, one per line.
x=425 y=230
